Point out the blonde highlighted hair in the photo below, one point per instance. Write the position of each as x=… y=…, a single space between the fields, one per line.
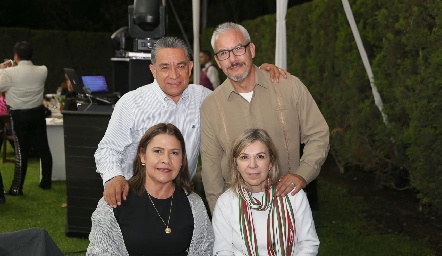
x=243 y=141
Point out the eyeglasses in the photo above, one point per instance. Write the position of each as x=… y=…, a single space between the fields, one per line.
x=237 y=51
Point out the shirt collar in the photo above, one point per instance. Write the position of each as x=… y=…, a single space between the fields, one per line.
x=261 y=79
x=165 y=98
x=24 y=62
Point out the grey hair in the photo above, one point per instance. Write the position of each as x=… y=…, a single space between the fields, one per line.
x=229 y=26
x=169 y=42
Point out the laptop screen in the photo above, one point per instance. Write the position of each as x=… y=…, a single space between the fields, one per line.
x=95 y=83
x=75 y=80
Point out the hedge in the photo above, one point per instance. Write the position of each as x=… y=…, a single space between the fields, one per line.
x=87 y=52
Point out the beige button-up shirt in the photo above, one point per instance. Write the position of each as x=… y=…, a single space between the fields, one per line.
x=287 y=111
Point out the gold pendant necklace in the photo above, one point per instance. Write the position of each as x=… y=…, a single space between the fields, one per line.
x=167 y=230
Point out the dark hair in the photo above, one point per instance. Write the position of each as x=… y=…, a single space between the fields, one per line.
x=207 y=53
x=169 y=42
x=23 y=50
x=139 y=178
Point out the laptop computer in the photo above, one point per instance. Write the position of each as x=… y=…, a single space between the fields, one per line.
x=97 y=86
x=76 y=82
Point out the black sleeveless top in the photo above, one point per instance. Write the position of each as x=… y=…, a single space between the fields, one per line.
x=144 y=232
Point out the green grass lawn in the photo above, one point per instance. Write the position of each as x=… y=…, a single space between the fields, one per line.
x=38 y=208
x=340 y=221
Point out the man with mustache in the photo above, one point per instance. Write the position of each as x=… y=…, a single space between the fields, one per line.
x=170 y=99
x=250 y=99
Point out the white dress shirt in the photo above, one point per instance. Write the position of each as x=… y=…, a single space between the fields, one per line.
x=135 y=113
x=227 y=230
x=24 y=84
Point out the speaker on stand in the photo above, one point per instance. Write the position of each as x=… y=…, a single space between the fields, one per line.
x=131 y=72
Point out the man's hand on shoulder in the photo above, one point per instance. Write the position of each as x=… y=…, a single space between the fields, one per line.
x=114 y=190
x=288 y=182
x=274 y=71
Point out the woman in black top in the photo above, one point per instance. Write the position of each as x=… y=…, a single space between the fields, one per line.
x=161 y=216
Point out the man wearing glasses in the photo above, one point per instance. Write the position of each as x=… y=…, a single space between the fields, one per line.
x=250 y=99
x=170 y=98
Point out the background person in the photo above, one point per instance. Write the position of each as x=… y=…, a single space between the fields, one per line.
x=161 y=216
x=170 y=99
x=24 y=87
x=250 y=99
x=249 y=218
x=67 y=91
x=66 y=87
x=3 y=108
x=209 y=76
x=6 y=123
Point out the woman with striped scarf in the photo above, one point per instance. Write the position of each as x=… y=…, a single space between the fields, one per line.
x=249 y=219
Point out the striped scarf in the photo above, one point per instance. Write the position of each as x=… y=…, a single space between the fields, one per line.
x=280 y=222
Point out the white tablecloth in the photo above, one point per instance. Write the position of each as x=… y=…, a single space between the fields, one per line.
x=54 y=127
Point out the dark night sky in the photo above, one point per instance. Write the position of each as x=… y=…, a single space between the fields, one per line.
x=109 y=15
